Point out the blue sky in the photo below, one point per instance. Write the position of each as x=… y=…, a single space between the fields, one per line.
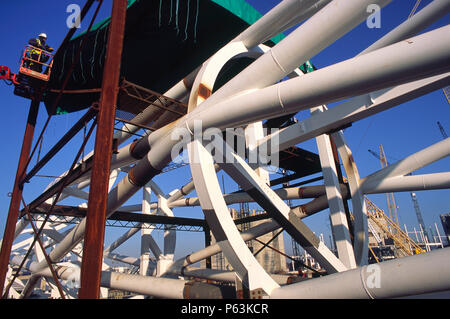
x=402 y=131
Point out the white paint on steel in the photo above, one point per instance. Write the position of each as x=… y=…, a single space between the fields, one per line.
x=247 y=178
x=221 y=224
x=339 y=223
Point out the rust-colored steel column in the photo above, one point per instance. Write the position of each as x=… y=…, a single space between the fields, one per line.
x=91 y=266
x=14 y=206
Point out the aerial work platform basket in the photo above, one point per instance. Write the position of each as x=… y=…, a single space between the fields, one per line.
x=36 y=63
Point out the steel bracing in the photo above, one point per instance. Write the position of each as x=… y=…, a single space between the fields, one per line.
x=383 y=76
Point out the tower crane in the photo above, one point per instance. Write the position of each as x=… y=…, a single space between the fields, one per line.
x=392 y=206
x=384 y=163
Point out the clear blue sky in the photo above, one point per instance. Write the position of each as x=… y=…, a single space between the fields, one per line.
x=402 y=130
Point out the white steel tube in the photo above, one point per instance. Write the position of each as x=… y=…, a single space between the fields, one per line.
x=326 y=26
x=306 y=14
x=351 y=111
x=386 y=67
x=408 y=183
x=422 y=19
x=411 y=163
x=147 y=285
x=210 y=274
x=234 y=198
x=280 y=18
x=125 y=259
x=412 y=275
x=338 y=219
x=227 y=276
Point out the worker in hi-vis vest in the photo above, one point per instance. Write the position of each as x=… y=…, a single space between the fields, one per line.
x=38 y=53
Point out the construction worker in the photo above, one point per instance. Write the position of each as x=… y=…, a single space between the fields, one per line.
x=37 y=53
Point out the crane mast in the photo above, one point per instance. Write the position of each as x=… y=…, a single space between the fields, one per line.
x=392 y=206
x=419 y=215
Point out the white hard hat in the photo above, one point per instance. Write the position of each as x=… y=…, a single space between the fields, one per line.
x=43 y=35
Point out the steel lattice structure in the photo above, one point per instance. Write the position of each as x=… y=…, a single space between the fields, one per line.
x=382 y=76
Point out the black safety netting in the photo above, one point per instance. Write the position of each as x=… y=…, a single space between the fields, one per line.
x=164 y=41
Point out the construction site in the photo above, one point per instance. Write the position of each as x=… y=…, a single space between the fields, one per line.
x=208 y=142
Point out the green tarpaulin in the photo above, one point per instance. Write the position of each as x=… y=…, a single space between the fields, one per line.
x=164 y=41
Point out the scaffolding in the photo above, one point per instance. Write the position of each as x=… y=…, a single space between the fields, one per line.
x=401 y=241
